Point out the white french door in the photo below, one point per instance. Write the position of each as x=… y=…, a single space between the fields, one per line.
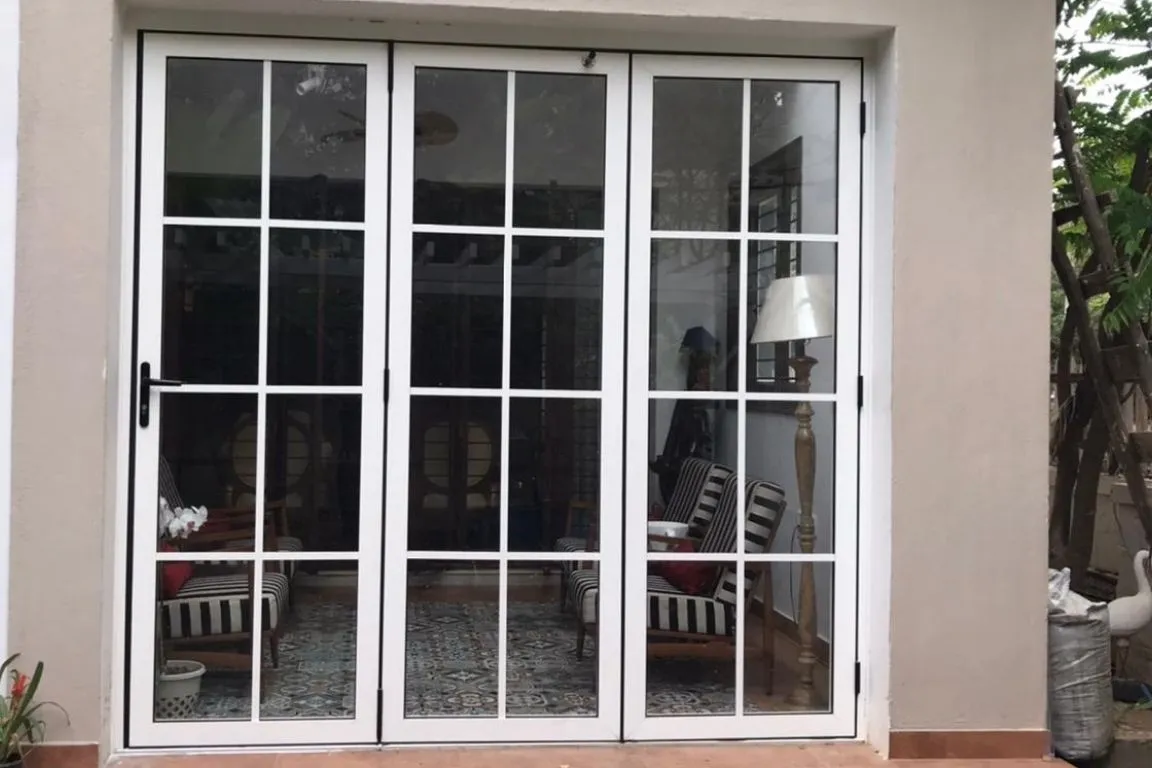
x=744 y=194
x=508 y=237
x=260 y=384
x=383 y=336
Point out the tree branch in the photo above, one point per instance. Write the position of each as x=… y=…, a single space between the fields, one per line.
x=1098 y=230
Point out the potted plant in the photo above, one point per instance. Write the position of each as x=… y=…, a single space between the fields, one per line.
x=177 y=681
x=20 y=723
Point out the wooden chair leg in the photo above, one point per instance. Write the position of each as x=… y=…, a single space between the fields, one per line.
x=274 y=647
x=768 y=630
x=563 y=588
x=581 y=632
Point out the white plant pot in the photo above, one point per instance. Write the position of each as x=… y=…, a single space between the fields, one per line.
x=178 y=690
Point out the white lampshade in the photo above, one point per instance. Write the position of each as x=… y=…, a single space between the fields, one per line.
x=797 y=308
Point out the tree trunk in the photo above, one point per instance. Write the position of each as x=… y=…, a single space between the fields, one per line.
x=1083 y=534
x=1067 y=470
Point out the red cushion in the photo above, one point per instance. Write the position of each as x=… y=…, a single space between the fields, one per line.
x=690 y=578
x=173 y=576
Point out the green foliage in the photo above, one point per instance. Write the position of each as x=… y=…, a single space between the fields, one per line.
x=20 y=723
x=1111 y=58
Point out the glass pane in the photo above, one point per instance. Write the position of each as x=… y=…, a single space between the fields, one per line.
x=545 y=679
x=457 y=310
x=696 y=151
x=791 y=314
x=309 y=644
x=794 y=151
x=787 y=662
x=205 y=612
x=318 y=129
x=553 y=474
x=460 y=137
x=210 y=330
x=207 y=457
x=771 y=453
x=452 y=641
x=691 y=640
x=212 y=138
x=695 y=315
x=557 y=310
x=454 y=474
x=693 y=445
x=559 y=157
x=315 y=307
x=312 y=482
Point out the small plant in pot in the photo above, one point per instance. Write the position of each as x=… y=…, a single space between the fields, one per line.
x=20 y=723
x=177 y=681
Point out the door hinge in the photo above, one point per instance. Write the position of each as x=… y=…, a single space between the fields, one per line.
x=857 y=678
x=379 y=715
x=859 y=391
x=863 y=117
x=387 y=384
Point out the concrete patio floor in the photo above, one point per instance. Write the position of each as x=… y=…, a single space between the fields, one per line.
x=625 y=756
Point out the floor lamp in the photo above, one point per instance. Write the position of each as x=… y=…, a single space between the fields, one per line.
x=799 y=309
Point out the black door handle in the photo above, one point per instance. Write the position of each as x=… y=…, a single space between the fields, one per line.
x=146 y=384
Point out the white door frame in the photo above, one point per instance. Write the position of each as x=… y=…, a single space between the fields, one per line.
x=606 y=725
x=840 y=721
x=143 y=730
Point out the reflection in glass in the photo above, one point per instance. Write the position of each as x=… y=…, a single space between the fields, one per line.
x=318 y=132
x=207 y=451
x=557 y=311
x=691 y=640
x=315 y=307
x=680 y=431
x=457 y=306
x=193 y=618
x=212 y=138
x=460 y=137
x=793 y=152
x=210 y=328
x=771 y=456
x=312 y=472
x=695 y=322
x=559 y=157
x=770 y=364
x=451 y=641
x=553 y=472
x=544 y=677
x=773 y=679
x=312 y=675
x=696 y=154
x=454 y=474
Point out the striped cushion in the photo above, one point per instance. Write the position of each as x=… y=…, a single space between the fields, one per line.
x=676 y=612
x=697 y=492
x=571 y=544
x=668 y=608
x=221 y=605
x=764 y=506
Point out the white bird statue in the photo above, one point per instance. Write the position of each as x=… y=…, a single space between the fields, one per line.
x=1128 y=615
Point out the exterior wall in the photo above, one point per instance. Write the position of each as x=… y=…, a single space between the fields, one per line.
x=68 y=186
x=9 y=62
x=959 y=189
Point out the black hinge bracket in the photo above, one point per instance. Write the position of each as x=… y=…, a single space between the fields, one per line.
x=859 y=391
x=863 y=117
x=387 y=385
x=379 y=715
x=857 y=678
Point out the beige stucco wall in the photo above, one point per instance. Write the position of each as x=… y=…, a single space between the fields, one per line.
x=967 y=114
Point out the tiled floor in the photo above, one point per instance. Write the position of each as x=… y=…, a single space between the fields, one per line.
x=733 y=756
